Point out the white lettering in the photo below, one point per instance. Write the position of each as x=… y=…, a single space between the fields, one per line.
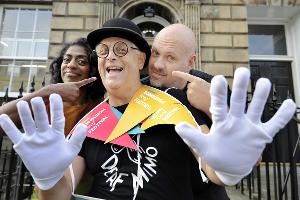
x=152 y=95
x=151 y=164
x=114 y=160
x=142 y=103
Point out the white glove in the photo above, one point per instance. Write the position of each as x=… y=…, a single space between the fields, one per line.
x=236 y=140
x=43 y=147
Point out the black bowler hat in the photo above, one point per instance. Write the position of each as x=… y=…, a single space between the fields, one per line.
x=123 y=28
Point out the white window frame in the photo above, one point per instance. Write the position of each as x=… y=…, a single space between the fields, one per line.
x=23 y=6
x=287 y=57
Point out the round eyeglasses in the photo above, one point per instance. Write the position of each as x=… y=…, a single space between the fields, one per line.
x=120 y=49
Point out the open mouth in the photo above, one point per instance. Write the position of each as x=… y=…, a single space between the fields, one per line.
x=114 y=69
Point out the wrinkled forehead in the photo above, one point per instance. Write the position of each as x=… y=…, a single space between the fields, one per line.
x=112 y=40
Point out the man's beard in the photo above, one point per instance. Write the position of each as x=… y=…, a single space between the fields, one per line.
x=156 y=83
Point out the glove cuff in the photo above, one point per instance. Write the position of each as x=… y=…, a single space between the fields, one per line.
x=47 y=183
x=230 y=179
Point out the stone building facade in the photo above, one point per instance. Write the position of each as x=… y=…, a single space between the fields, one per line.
x=222 y=27
x=263 y=35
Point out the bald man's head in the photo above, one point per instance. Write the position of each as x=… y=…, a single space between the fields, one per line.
x=173 y=49
x=183 y=35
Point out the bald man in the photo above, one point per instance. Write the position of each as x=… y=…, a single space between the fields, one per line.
x=173 y=49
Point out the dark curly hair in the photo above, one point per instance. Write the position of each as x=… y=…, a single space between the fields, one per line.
x=94 y=90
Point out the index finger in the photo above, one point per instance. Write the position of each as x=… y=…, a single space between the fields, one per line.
x=185 y=76
x=85 y=81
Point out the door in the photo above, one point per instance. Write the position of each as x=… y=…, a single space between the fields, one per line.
x=280 y=75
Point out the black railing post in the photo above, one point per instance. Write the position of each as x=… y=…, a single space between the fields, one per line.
x=44 y=81
x=242 y=186
x=21 y=91
x=274 y=161
x=258 y=182
x=10 y=174
x=5 y=98
x=293 y=167
x=21 y=181
x=3 y=168
x=268 y=181
x=32 y=89
x=249 y=186
x=284 y=175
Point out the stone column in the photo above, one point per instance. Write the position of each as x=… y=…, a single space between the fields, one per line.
x=192 y=20
x=106 y=11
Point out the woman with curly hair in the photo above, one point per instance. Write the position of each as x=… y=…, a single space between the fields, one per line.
x=74 y=76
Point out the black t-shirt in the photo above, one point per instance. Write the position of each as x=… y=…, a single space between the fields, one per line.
x=163 y=168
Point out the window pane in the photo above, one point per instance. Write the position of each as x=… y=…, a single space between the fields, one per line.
x=22 y=76
x=41 y=49
x=22 y=70
x=16 y=79
x=43 y=24
x=267 y=40
x=4 y=78
x=26 y=22
x=7 y=47
x=9 y=23
x=24 y=48
x=24 y=32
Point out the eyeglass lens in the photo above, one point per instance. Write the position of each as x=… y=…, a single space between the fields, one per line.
x=120 y=49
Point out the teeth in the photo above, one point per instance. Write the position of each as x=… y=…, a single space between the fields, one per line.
x=114 y=68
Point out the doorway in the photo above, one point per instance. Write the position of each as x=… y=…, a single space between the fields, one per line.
x=280 y=74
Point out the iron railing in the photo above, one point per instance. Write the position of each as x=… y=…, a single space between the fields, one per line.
x=15 y=181
x=276 y=178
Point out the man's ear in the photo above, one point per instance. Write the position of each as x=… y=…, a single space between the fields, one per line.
x=191 y=61
x=142 y=59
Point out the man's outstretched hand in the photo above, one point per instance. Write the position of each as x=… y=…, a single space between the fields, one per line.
x=236 y=139
x=43 y=147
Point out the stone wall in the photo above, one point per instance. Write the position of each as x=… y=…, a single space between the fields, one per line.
x=76 y=18
x=273 y=2
x=224 y=36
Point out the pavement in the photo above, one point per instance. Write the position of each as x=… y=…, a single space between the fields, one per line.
x=235 y=194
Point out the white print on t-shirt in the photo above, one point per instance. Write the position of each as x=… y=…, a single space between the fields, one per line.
x=113 y=176
x=146 y=162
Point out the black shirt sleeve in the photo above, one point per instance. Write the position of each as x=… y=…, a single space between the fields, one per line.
x=200 y=74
